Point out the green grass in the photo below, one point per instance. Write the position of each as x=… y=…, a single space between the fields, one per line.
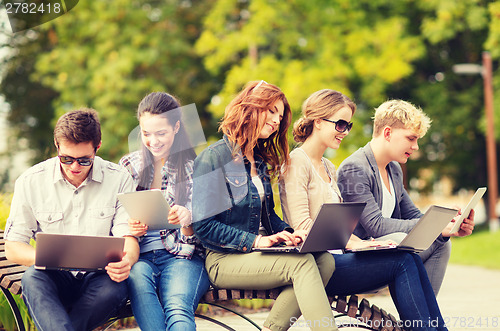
x=482 y=248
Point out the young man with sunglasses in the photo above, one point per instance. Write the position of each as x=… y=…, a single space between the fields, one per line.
x=73 y=193
x=373 y=175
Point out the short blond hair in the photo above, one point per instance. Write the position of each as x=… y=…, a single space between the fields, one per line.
x=400 y=114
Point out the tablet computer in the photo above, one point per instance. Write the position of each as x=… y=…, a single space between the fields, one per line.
x=149 y=207
x=465 y=213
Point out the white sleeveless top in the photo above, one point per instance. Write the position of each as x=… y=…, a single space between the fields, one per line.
x=388 y=198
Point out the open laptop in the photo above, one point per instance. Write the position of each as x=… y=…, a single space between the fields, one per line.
x=72 y=252
x=465 y=213
x=149 y=207
x=423 y=234
x=331 y=229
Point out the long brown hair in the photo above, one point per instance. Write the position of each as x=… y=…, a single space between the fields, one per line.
x=181 y=152
x=242 y=123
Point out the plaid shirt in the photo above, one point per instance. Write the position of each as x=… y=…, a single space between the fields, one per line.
x=174 y=241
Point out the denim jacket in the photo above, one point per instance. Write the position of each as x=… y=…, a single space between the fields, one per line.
x=229 y=220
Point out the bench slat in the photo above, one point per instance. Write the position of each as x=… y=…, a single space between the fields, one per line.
x=209 y=296
x=341 y=304
x=376 y=317
x=365 y=311
x=236 y=294
x=6 y=263
x=387 y=321
x=223 y=295
x=12 y=270
x=352 y=306
x=15 y=287
x=248 y=294
x=8 y=282
x=395 y=323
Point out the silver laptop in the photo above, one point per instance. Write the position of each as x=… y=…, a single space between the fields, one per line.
x=423 y=233
x=72 y=252
x=331 y=229
x=149 y=207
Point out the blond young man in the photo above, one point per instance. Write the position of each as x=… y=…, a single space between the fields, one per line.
x=373 y=174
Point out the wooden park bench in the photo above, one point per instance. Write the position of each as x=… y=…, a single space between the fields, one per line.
x=373 y=318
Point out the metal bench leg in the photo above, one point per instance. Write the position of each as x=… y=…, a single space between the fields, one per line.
x=15 y=310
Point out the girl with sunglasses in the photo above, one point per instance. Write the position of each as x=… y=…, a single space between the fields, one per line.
x=169 y=279
x=310 y=180
x=233 y=212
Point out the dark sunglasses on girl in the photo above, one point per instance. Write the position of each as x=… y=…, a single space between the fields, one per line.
x=83 y=161
x=341 y=125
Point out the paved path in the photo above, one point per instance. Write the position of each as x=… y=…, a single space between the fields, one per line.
x=469 y=299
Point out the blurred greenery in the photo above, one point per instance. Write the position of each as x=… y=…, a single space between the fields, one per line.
x=480 y=249
x=6 y=317
x=254 y=303
x=5 y=200
x=30 y=110
x=7 y=320
x=108 y=55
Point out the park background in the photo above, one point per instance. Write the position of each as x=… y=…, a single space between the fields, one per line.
x=109 y=54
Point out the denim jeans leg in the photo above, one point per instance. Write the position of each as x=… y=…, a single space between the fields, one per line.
x=41 y=294
x=417 y=304
x=364 y=272
x=435 y=312
x=99 y=298
x=182 y=284
x=411 y=291
x=142 y=284
x=435 y=260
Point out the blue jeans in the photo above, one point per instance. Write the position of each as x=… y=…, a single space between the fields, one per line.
x=406 y=276
x=435 y=258
x=165 y=290
x=56 y=300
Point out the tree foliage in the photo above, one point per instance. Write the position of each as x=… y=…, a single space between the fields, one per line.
x=30 y=103
x=357 y=47
x=371 y=51
x=109 y=54
x=454 y=32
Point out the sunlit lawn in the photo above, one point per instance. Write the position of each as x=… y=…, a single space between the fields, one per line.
x=482 y=248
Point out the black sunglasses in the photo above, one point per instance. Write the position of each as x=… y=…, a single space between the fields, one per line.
x=341 y=125
x=83 y=161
